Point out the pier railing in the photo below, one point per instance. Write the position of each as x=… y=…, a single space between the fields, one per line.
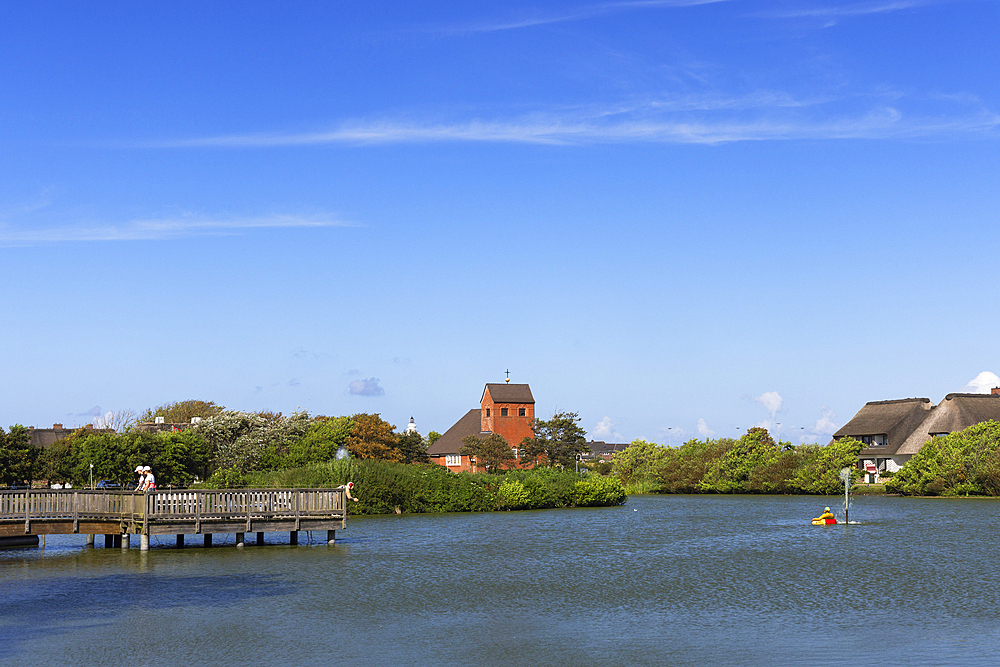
x=201 y=505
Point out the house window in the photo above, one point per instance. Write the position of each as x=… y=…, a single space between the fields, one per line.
x=487 y=412
x=453 y=460
x=521 y=412
x=503 y=412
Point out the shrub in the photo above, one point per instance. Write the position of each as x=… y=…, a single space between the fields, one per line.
x=595 y=491
x=512 y=495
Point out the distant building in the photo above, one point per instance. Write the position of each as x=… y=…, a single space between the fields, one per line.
x=412 y=426
x=602 y=451
x=46 y=437
x=505 y=409
x=893 y=431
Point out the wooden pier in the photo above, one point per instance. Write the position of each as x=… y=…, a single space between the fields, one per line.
x=120 y=514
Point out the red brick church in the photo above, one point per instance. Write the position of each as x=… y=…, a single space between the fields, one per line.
x=505 y=409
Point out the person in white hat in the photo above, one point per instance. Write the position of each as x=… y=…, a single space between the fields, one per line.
x=150 y=483
x=142 y=478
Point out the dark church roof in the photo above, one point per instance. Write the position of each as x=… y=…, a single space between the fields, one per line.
x=451 y=441
x=502 y=392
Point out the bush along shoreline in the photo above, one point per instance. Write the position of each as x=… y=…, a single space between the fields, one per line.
x=384 y=487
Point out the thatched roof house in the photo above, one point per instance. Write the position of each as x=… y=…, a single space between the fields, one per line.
x=955 y=413
x=885 y=425
x=896 y=430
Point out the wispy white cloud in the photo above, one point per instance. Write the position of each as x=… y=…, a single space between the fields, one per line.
x=707 y=121
x=853 y=9
x=703 y=429
x=580 y=13
x=153 y=229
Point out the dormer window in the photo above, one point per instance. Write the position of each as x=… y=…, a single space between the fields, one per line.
x=487 y=412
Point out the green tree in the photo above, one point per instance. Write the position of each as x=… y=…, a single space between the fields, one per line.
x=320 y=442
x=639 y=462
x=493 y=452
x=955 y=464
x=732 y=472
x=686 y=467
x=560 y=440
x=18 y=457
x=432 y=437
x=818 y=469
x=412 y=447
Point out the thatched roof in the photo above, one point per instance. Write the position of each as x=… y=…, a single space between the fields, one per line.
x=955 y=413
x=501 y=392
x=894 y=419
x=451 y=441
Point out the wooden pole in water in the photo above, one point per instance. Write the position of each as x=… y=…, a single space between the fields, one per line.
x=845 y=474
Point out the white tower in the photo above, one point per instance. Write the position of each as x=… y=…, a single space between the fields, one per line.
x=411 y=427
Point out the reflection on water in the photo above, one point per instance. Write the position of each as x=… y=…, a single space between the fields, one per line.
x=675 y=580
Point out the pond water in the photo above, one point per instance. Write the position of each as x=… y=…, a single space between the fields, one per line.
x=671 y=580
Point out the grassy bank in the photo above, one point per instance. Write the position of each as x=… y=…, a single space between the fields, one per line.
x=383 y=487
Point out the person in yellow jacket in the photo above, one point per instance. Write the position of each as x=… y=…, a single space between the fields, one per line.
x=825 y=517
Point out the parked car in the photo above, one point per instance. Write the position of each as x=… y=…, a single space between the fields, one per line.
x=108 y=485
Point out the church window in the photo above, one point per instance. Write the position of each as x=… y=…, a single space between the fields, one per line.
x=487 y=412
x=503 y=412
x=521 y=412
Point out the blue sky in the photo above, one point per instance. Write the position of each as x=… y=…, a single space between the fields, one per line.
x=676 y=218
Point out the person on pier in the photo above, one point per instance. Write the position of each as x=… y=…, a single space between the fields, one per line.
x=150 y=483
x=142 y=478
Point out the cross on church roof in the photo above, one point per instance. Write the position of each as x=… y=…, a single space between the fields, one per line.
x=508 y=376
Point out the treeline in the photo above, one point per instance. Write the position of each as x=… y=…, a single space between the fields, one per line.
x=753 y=464
x=223 y=447
x=958 y=464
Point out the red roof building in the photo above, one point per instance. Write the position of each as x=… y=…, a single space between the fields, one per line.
x=505 y=409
